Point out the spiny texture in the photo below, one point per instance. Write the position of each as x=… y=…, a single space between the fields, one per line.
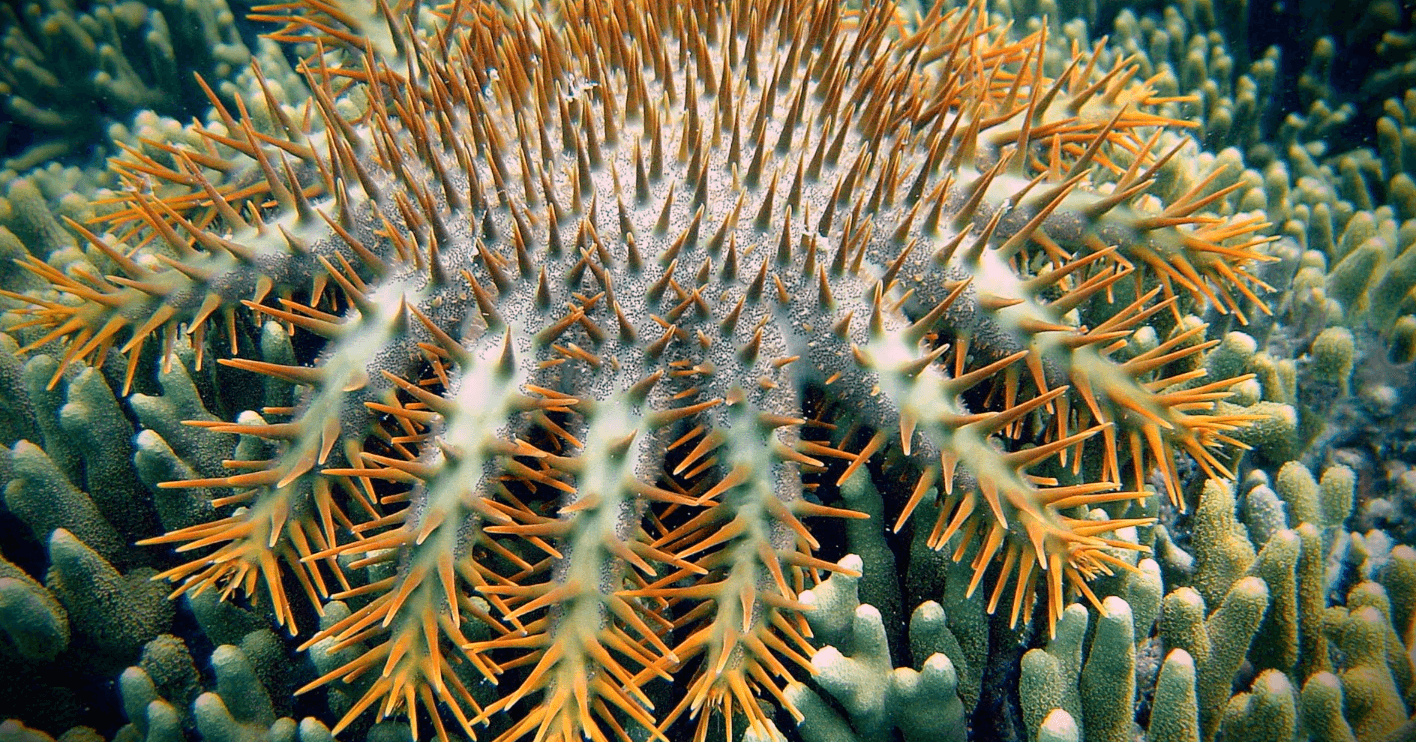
x=598 y=305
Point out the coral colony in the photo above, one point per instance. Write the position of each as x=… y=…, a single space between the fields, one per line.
x=605 y=323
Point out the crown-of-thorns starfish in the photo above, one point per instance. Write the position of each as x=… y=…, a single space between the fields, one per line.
x=605 y=295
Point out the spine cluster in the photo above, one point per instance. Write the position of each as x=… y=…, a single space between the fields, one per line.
x=597 y=313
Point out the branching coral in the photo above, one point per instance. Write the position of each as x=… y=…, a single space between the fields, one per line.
x=582 y=311
x=71 y=68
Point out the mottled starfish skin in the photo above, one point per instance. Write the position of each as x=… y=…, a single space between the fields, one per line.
x=584 y=277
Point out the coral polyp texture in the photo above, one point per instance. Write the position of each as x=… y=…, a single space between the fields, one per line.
x=592 y=312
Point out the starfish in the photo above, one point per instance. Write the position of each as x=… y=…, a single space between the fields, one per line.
x=605 y=302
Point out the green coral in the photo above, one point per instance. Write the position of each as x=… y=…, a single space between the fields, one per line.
x=1268 y=711
x=855 y=670
x=1107 y=681
x=1175 y=708
x=1223 y=552
x=66 y=69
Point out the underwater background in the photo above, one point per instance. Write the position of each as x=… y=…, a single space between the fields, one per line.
x=1260 y=584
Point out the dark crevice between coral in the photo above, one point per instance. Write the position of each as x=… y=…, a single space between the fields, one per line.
x=998 y=717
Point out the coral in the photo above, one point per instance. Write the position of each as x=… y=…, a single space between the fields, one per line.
x=1223 y=552
x=159 y=706
x=1059 y=726
x=1107 y=682
x=66 y=69
x=1325 y=145
x=1351 y=213
x=1336 y=493
x=1332 y=354
x=1049 y=676
x=1175 y=715
x=1371 y=702
x=1322 y=706
x=1267 y=711
x=35 y=624
x=1226 y=673
x=1230 y=631
x=1276 y=643
x=1200 y=55
x=1300 y=492
x=878 y=697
